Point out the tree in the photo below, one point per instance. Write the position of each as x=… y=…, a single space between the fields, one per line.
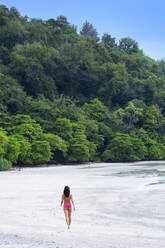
x=152 y=118
x=32 y=131
x=13 y=149
x=79 y=147
x=91 y=128
x=41 y=151
x=108 y=41
x=4 y=15
x=96 y=110
x=3 y=142
x=5 y=164
x=13 y=12
x=128 y=118
x=114 y=90
x=125 y=148
x=4 y=55
x=34 y=65
x=61 y=31
x=62 y=21
x=89 y=31
x=63 y=128
x=154 y=143
x=10 y=27
x=128 y=45
x=25 y=151
x=13 y=96
x=156 y=151
x=58 y=147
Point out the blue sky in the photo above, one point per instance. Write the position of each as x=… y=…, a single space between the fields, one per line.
x=142 y=20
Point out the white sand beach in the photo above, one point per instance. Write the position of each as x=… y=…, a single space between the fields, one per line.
x=117 y=206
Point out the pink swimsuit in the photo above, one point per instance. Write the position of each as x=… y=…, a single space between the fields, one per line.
x=67 y=206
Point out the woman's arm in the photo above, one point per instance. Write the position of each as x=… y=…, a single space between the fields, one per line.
x=73 y=203
x=62 y=199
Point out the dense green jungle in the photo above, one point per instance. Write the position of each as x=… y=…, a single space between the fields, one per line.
x=69 y=97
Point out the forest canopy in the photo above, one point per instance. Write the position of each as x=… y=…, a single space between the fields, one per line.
x=69 y=97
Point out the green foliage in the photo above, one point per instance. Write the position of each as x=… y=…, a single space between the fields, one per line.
x=97 y=110
x=153 y=118
x=155 y=144
x=58 y=146
x=89 y=31
x=92 y=147
x=128 y=118
x=5 y=164
x=41 y=151
x=13 y=149
x=66 y=97
x=125 y=148
x=12 y=94
x=114 y=90
x=3 y=142
x=63 y=128
x=108 y=41
x=92 y=132
x=128 y=45
x=79 y=148
x=33 y=66
x=156 y=151
x=24 y=156
x=30 y=130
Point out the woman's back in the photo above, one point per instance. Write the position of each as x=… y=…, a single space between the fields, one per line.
x=67 y=199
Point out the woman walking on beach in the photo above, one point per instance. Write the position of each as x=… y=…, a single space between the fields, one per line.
x=67 y=199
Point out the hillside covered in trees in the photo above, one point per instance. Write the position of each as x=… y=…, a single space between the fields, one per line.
x=67 y=97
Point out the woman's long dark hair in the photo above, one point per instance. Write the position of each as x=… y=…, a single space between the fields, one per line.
x=66 y=191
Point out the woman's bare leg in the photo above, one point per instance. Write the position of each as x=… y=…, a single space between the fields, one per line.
x=66 y=216
x=69 y=216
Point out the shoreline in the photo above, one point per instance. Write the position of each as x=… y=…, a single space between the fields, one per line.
x=134 y=163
